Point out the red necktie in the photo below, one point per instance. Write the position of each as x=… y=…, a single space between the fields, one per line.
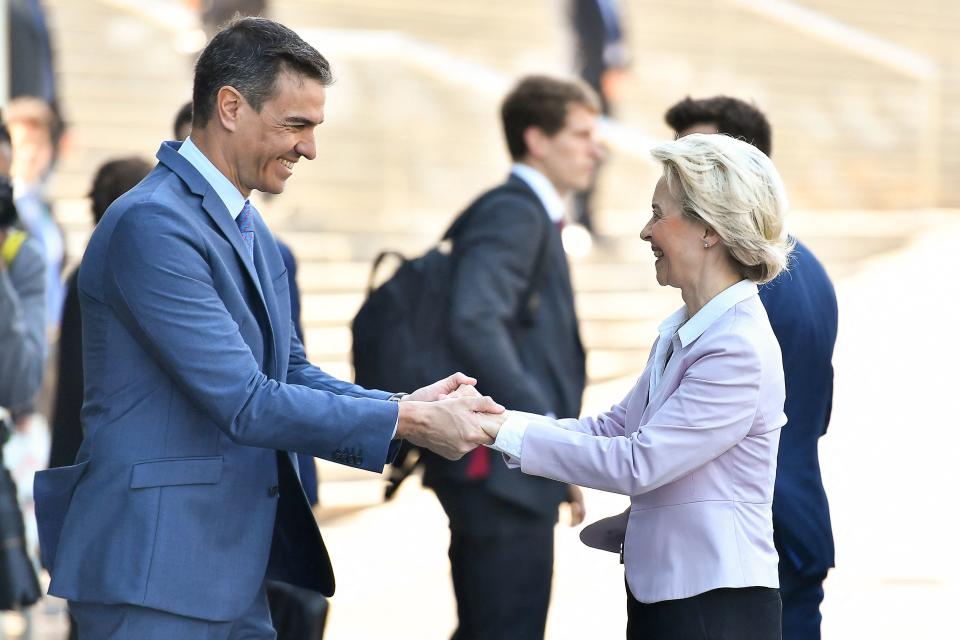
x=478 y=464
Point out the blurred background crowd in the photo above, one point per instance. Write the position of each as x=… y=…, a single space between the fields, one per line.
x=864 y=101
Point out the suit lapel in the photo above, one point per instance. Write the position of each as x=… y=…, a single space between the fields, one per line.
x=213 y=206
x=265 y=284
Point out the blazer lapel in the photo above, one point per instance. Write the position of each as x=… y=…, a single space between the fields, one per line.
x=265 y=285
x=212 y=205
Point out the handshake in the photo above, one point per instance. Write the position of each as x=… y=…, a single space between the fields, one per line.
x=449 y=417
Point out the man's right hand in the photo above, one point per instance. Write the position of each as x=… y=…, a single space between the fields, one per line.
x=450 y=428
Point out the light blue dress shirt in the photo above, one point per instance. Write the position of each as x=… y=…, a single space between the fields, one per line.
x=231 y=197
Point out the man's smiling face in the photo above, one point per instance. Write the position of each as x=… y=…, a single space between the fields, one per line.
x=270 y=143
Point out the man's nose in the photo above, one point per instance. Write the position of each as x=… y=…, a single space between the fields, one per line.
x=307 y=147
x=597 y=149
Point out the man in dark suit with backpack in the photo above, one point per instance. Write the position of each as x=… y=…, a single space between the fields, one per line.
x=513 y=325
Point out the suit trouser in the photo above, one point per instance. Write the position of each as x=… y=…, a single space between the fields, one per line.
x=501 y=561
x=130 y=622
x=801 y=596
x=751 y=613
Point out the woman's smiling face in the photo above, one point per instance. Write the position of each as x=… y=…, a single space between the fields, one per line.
x=675 y=239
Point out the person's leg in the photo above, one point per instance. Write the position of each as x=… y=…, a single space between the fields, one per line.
x=129 y=622
x=801 y=597
x=665 y=620
x=501 y=561
x=751 y=613
x=255 y=623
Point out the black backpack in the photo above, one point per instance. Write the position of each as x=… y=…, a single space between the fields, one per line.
x=399 y=333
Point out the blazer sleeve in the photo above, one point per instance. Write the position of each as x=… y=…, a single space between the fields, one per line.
x=161 y=286
x=23 y=342
x=301 y=372
x=496 y=259
x=712 y=409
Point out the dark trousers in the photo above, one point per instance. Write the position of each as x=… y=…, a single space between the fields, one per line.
x=751 y=613
x=501 y=561
x=801 y=597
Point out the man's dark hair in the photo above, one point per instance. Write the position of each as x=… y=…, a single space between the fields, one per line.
x=184 y=119
x=4 y=132
x=542 y=102
x=731 y=116
x=113 y=179
x=249 y=54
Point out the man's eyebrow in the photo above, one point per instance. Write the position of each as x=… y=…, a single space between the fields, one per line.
x=298 y=121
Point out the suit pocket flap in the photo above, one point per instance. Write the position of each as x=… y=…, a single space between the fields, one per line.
x=176 y=471
x=52 y=492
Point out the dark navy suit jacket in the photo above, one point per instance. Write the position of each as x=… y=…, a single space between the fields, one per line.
x=538 y=368
x=185 y=496
x=802 y=307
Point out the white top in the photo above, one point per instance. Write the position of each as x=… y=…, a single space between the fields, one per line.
x=544 y=189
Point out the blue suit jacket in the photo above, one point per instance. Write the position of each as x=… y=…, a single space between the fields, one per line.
x=195 y=390
x=802 y=308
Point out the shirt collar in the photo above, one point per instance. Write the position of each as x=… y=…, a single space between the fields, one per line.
x=716 y=307
x=544 y=189
x=231 y=197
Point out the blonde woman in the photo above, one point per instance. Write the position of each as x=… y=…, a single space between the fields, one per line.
x=694 y=443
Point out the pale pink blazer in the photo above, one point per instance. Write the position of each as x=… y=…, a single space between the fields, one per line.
x=698 y=460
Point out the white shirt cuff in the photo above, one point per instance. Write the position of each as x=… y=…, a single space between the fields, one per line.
x=510 y=437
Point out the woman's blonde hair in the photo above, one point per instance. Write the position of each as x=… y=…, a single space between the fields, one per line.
x=735 y=189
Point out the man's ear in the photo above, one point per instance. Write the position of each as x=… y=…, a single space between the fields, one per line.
x=536 y=140
x=229 y=103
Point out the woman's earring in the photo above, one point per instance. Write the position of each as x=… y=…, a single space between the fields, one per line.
x=706 y=245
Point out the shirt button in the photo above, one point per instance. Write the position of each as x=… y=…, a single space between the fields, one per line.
x=273 y=491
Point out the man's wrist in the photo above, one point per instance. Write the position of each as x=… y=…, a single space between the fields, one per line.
x=409 y=415
x=400 y=396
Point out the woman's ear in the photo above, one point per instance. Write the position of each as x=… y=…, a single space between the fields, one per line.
x=710 y=237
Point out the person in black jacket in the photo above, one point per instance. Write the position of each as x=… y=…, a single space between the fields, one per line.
x=802 y=307
x=513 y=325
x=112 y=180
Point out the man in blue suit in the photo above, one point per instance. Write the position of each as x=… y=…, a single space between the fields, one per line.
x=185 y=497
x=802 y=307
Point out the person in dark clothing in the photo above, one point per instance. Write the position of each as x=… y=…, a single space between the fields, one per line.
x=112 y=180
x=512 y=321
x=802 y=307
x=601 y=57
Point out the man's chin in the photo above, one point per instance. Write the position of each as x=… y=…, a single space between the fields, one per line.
x=273 y=188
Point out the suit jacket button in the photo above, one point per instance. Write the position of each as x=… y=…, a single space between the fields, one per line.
x=273 y=491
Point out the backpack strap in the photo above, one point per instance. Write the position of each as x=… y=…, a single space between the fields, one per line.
x=11 y=246
x=530 y=300
x=531 y=297
x=383 y=255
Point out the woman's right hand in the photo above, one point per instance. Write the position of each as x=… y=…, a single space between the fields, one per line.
x=491 y=422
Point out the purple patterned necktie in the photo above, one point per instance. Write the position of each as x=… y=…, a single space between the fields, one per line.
x=245 y=223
